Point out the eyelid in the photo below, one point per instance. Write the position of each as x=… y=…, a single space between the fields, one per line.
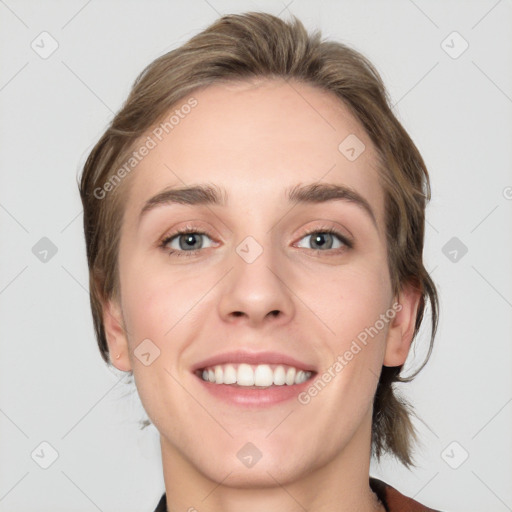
x=347 y=241
x=330 y=227
x=183 y=229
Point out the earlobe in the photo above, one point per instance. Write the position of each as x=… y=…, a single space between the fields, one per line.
x=401 y=330
x=116 y=335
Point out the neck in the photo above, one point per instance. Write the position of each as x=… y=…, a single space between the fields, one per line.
x=341 y=485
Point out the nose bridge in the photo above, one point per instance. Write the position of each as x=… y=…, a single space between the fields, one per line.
x=255 y=289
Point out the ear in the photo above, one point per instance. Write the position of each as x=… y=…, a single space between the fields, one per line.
x=401 y=330
x=115 y=333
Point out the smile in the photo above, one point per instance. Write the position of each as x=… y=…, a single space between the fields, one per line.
x=247 y=375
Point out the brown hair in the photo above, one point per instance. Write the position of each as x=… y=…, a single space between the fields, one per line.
x=259 y=45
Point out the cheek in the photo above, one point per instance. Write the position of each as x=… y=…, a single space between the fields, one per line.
x=352 y=299
x=168 y=308
x=353 y=303
x=144 y=303
x=157 y=307
x=155 y=298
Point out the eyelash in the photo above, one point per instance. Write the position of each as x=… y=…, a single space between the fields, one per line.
x=187 y=231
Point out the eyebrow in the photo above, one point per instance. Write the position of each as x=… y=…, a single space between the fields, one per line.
x=209 y=194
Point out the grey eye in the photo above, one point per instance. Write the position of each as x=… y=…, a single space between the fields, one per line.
x=322 y=240
x=187 y=241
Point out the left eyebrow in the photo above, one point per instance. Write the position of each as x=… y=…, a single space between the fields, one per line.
x=324 y=192
x=209 y=194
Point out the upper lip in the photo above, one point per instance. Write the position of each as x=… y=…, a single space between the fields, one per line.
x=242 y=356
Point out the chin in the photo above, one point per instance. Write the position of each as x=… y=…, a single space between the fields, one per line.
x=264 y=474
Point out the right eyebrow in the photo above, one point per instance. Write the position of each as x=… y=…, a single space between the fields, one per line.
x=203 y=194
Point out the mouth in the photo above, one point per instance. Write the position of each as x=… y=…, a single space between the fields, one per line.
x=253 y=380
x=256 y=376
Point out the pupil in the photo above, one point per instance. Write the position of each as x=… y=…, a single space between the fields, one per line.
x=317 y=240
x=189 y=240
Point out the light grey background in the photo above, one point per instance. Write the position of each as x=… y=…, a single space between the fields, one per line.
x=54 y=386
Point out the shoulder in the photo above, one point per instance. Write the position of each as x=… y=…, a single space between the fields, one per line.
x=394 y=501
x=162 y=505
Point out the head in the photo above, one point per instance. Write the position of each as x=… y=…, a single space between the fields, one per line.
x=255 y=107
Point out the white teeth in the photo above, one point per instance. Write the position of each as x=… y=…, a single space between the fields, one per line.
x=244 y=375
x=229 y=374
x=219 y=377
x=279 y=376
x=300 y=377
x=290 y=376
x=261 y=375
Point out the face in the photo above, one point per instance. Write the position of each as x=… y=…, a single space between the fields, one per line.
x=259 y=285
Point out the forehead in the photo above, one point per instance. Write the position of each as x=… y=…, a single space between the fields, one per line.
x=258 y=138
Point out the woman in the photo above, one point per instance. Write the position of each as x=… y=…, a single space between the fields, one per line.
x=254 y=221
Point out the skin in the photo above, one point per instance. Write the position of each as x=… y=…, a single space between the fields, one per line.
x=256 y=140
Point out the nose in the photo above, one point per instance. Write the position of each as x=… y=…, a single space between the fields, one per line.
x=257 y=292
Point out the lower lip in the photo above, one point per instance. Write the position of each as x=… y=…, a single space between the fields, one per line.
x=253 y=397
